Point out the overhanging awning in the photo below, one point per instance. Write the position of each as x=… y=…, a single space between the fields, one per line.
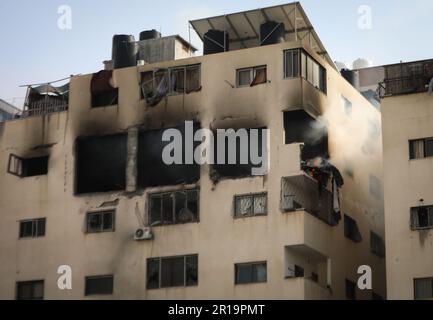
x=244 y=27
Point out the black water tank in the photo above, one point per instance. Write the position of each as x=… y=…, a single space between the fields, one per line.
x=149 y=34
x=351 y=76
x=124 y=52
x=272 y=32
x=215 y=41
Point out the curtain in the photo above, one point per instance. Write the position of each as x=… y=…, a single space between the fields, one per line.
x=418 y=149
x=260 y=77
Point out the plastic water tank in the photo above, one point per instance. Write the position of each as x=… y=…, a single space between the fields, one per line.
x=149 y=35
x=124 y=53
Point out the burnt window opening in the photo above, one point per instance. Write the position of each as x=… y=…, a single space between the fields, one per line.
x=151 y=169
x=102 y=221
x=102 y=90
x=298 y=63
x=180 y=271
x=30 y=167
x=377 y=246
x=351 y=230
x=300 y=127
x=250 y=77
x=176 y=207
x=251 y=205
x=30 y=290
x=255 y=272
x=99 y=285
x=100 y=164
x=421 y=217
x=32 y=228
x=423 y=289
x=350 y=290
x=244 y=165
x=421 y=148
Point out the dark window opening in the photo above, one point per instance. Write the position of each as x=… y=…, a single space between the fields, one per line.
x=315 y=277
x=421 y=217
x=377 y=245
x=174 y=207
x=30 y=167
x=251 y=205
x=255 y=272
x=100 y=221
x=153 y=172
x=250 y=77
x=101 y=164
x=102 y=90
x=99 y=285
x=351 y=230
x=300 y=127
x=32 y=228
x=295 y=271
x=181 y=271
x=421 y=148
x=30 y=290
x=243 y=165
x=423 y=289
x=350 y=290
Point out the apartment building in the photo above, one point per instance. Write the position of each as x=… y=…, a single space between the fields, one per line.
x=82 y=182
x=407 y=104
x=8 y=111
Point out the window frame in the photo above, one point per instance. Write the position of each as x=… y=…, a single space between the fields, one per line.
x=253 y=74
x=411 y=148
x=377 y=245
x=349 y=229
x=254 y=278
x=415 y=280
x=303 y=69
x=35 y=228
x=253 y=196
x=171 y=194
x=103 y=213
x=21 y=164
x=185 y=265
x=412 y=212
x=32 y=283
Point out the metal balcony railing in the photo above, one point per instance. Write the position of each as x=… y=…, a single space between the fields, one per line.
x=43 y=107
x=404 y=85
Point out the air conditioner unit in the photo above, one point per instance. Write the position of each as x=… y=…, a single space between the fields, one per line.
x=143 y=234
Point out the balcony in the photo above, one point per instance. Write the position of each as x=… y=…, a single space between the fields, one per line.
x=406 y=78
x=45 y=99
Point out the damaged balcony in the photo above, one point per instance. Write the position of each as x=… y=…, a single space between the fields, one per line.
x=407 y=78
x=45 y=99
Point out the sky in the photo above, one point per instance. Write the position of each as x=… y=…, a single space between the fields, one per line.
x=33 y=49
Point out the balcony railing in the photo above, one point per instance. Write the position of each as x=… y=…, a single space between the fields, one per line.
x=40 y=108
x=404 y=85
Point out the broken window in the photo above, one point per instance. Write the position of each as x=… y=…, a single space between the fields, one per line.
x=153 y=172
x=350 y=290
x=100 y=221
x=423 y=289
x=29 y=167
x=174 y=207
x=255 y=272
x=377 y=246
x=99 y=285
x=147 y=84
x=300 y=127
x=421 y=217
x=180 y=271
x=299 y=63
x=347 y=105
x=421 y=148
x=250 y=205
x=236 y=161
x=250 y=77
x=102 y=90
x=294 y=271
x=351 y=230
x=30 y=290
x=32 y=228
x=100 y=164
